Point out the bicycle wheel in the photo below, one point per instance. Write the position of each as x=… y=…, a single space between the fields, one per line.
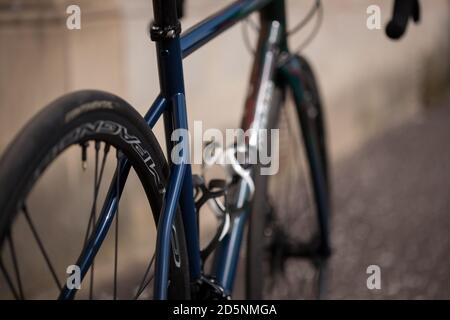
x=286 y=250
x=53 y=181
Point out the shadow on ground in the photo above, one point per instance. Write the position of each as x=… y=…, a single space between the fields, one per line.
x=392 y=209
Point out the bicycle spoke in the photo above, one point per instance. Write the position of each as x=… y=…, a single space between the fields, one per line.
x=96 y=190
x=15 y=265
x=84 y=147
x=116 y=234
x=290 y=219
x=41 y=246
x=8 y=280
x=94 y=217
x=98 y=177
x=144 y=284
x=299 y=168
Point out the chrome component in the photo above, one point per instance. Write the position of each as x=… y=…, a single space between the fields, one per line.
x=228 y=160
x=267 y=87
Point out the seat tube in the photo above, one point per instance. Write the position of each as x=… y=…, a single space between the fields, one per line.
x=165 y=31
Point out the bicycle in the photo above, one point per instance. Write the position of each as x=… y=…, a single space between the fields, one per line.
x=277 y=231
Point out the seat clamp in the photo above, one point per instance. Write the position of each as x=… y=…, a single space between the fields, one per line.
x=158 y=33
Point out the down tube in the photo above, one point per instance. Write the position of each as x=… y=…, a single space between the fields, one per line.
x=227 y=255
x=263 y=75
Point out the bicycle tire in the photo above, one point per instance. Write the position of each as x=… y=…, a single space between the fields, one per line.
x=73 y=119
x=256 y=241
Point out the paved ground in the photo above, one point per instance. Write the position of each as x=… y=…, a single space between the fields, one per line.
x=392 y=209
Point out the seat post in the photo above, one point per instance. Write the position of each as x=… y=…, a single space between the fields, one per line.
x=166 y=24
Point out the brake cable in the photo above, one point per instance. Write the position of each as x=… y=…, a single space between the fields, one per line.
x=316 y=9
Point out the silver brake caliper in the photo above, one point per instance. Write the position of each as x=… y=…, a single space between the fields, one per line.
x=215 y=193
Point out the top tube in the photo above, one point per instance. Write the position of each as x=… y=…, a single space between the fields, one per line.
x=211 y=27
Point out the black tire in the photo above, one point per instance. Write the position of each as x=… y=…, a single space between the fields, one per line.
x=266 y=230
x=74 y=119
x=314 y=99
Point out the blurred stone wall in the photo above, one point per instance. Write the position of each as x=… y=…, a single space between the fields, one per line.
x=368 y=82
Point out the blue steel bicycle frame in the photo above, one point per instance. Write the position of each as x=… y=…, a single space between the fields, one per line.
x=171 y=49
